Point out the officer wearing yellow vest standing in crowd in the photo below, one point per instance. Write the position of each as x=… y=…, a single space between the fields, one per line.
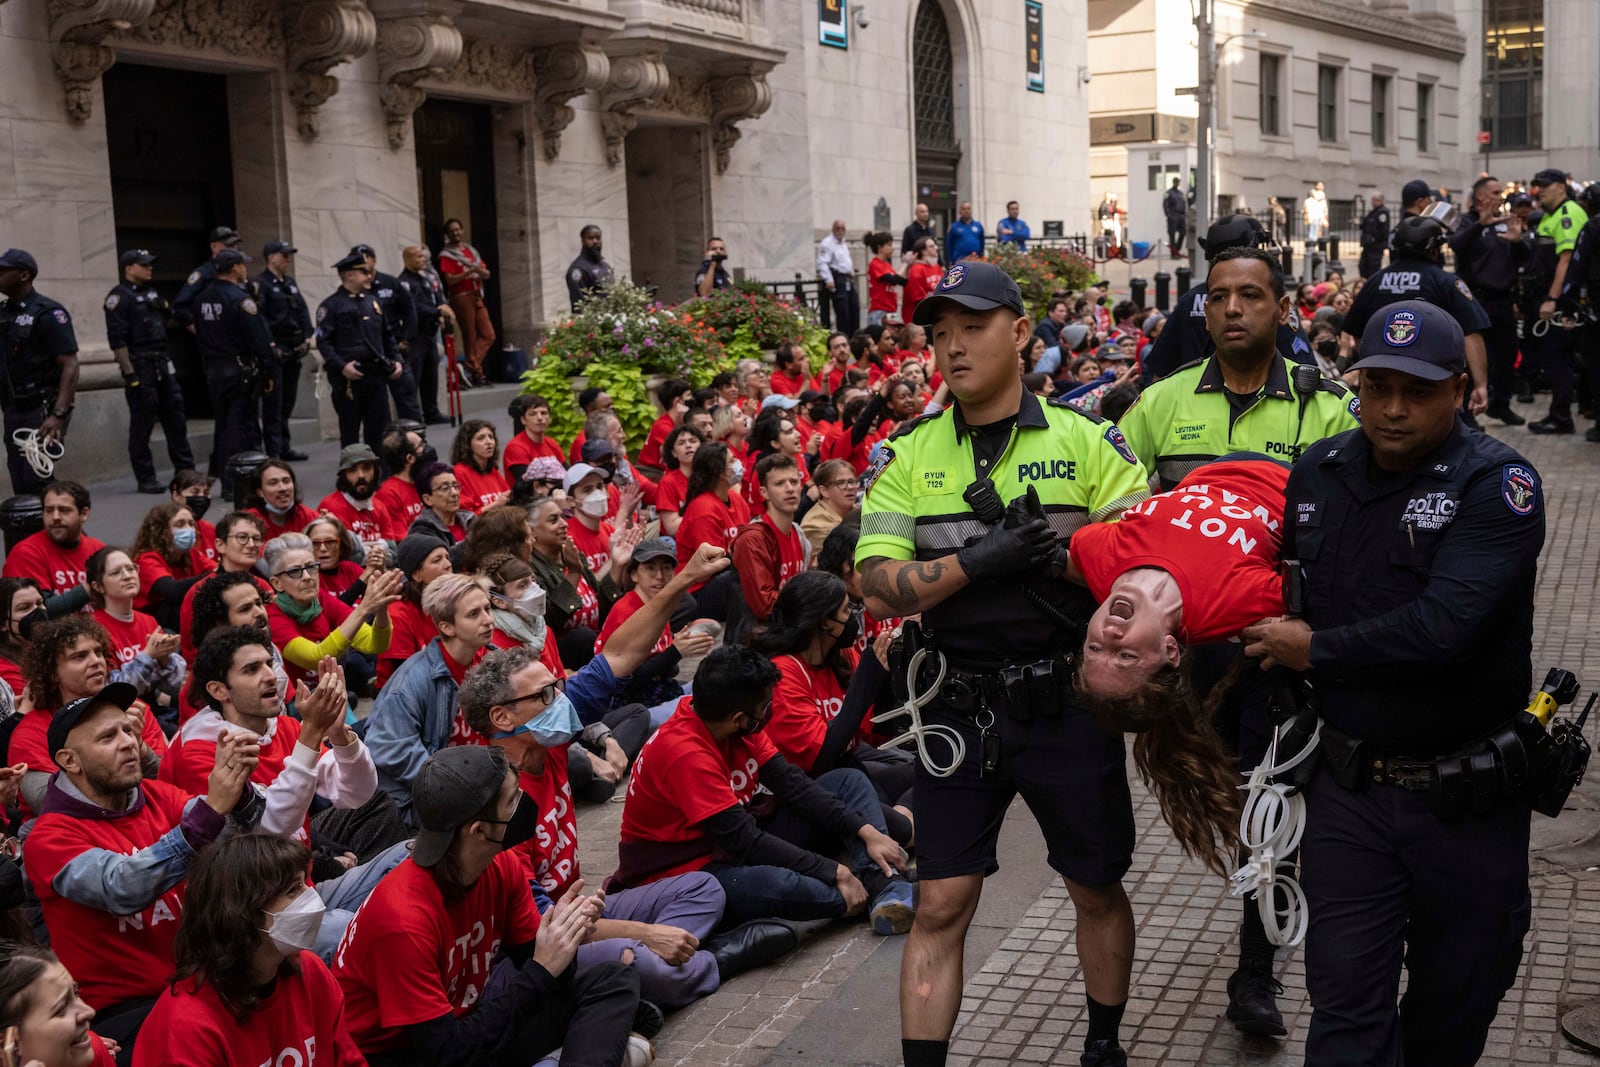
x=1546 y=275
x=966 y=520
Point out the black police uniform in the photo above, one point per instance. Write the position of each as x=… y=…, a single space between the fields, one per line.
x=1411 y=277
x=351 y=328
x=1488 y=263
x=136 y=319
x=1186 y=339
x=719 y=279
x=586 y=275
x=193 y=285
x=1580 y=296
x=1419 y=593
x=236 y=349
x=1552 y=352
x=1374 y=239
x=35 y=332
x=401 y=312
x=422 y=352
x=289 y=321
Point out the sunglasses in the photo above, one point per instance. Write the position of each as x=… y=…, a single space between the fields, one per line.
x=305 y=570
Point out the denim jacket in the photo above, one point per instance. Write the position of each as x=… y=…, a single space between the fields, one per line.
x=411 y=720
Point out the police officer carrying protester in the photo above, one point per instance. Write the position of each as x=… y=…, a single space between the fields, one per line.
x=1553 y=242
x=136 y=330
x=1415 y=251
x=1489 y=252
x=236 y=349
x=289 y=321
x=948 y=530
x=1248 y=396
x=590 y=270
x=1185 y=338
x=1374 y=237
x=183 y=304
x=1418 y=539
x=427 y=294
x=401 y=312
x=358 y=350
x=39 y=356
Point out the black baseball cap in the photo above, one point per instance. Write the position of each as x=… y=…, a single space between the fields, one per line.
x=354 y=261
x=1413 y=337
x=655 y=548
x=1549 y=176
x=229 y=257
x=119 y=695
x=225 y=235
x=277 y=246
x=449 y=789
x=136 y=255
x=1415 y=190
x=1519 y=199
x=17 y=259
x=974 y=285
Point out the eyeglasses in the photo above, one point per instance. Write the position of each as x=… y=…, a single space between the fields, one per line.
x=841 y=483
x=547 y=695
x=445 y=487
x=329 y=543
x=246 y=539
x=305 y=570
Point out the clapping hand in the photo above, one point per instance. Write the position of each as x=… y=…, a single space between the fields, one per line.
x=382 y=590
x=322 y=710
x=161 y=645
x=623 y=541
x=237 y=755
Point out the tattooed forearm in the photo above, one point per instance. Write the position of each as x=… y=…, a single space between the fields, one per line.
x=905 y=588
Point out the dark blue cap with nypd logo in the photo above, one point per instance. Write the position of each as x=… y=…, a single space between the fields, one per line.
x=1416 y=338
x=17 y=259
x=229 y=257
x=278 y=246
x=974 y=285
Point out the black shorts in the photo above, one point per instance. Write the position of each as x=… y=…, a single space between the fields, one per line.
x=1072 y=775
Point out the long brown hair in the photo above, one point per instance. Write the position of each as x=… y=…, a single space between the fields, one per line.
x=154 y=536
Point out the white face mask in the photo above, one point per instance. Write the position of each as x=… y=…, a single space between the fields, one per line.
x=295 y=928
x=596 y=504
x=531 y=602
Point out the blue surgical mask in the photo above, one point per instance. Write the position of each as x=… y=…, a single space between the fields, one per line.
x=183 y=538
x=553 y=727
x=737 y=474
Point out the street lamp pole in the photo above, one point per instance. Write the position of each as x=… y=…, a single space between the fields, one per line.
x=1205 y=130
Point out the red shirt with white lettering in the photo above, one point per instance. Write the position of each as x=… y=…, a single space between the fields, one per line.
x=113 y=957
x=409 y=956
x=295 y=521
x=57 y=568
x=480 y=490
x=805 y=700
x=709 y=521
x=398 y=502
x=593 y=545
x=127 y=636
x=588 y=613
x=683 y=777
x=620 y=613
x=366 y=523
x=522 y=450
x=1217 y=533
x=301 y=1022
x=551 y=854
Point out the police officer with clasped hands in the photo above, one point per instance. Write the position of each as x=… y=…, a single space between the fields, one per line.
x=1418 y=539
x=236 y=349
x=290 y=322
x=136 y=330
x=359 y=353
x=38 y=365
x=400 y=309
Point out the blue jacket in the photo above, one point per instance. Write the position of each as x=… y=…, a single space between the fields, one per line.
x=964 y=239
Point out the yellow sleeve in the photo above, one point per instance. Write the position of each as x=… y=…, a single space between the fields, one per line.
x=371 y=640
x=1335 y=414
x=1119 y=480
x=306 y=653
x=1138 y=427
x=888 y=516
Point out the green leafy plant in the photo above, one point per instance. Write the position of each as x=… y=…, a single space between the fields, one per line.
x=630 y=398
x=1041 y=271
x=771 y=320
x=551 y=380
x=621 y=324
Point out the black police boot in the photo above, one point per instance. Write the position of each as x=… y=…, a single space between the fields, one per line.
x=294 y=455
x=1103 y=1053
x=1592 y=434
x=1524 y=391
x=1552 y=424
x=152 y=487
x=1253 y=1003
x=1503 y=412
x=750 y=945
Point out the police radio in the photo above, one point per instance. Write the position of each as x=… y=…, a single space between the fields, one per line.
x=1557 y=751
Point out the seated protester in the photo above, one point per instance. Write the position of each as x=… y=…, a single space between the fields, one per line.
x=541 y=478
x=654 y=682
x=421 y=558
x=578 y=601
x=337 y=571
x=192 y=489
x=600 y=454
x=591 y=401
x=108 y=855
x=502 y=530
x=475 y=454
x=530 y=413
x=692 y=806
x=903 y=406
x=789 y=370
x=228 y=600
x=859 y=427
x=449 y=964
x=588 y=528
x=838 y=557
x=397 y=500
x=353 y=500
x=143 y=655
x=809 y=640
x=249 y=988
x=56 y=554
x=442 y=514
x=170 y=560
x=774 y=432
x=835 y=485
x=713 y=514
x=607 y=448
x=673 y=395
x=678 y=454
x=239 y=542
x=21 y=609
x=1115 y=401
x=415 y=714
x=769 y=551
x=308 y=624
x=730 y=428
x=43 y=1012
x=518 y=605
x=240 y=690
x=67 y=660
x=274 y=498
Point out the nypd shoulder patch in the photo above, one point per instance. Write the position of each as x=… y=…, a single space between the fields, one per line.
x=1120 y=443
x=322 y=313
x=194 y=276
x=575 y=277
x=1355 y=406
x=1461 y=287
x=248 y=305
x=112 y=301
x=1519 y=488
x=882 y=456
x=61 y=316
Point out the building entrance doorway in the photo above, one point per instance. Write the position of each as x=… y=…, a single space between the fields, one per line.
x=455 y=180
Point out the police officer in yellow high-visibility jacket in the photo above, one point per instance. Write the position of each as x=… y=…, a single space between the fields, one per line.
x=946 y=531
x=1246 y=397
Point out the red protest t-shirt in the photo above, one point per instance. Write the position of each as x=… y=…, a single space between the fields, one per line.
x=127 y=636
x=805 y=700
x=682 y=778
x=709 y=521
x=298 y=518
x=366 y=523
x=480 y=490
x=671 y=490
x=398 y=502
x=588 y=613
x=409 y=956
x=620 y=613
x=186 y=614
x=550 y=856
x=920 y=281
x=549 y=654
x=650 y=454
x=58 y=569
x=301 y=1022
x=342 y=577
x=786 y=384
x=460 y=732
x=522 y=450
x=409 y=630
x=880 y=294
x=113 y=957
x=153 y=567
x=1217 y=533
x=593 y=545
x=284 y=629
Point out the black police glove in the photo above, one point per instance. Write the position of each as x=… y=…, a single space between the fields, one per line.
x=1019 y=543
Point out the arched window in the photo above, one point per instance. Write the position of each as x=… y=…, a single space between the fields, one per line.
x=934 y=63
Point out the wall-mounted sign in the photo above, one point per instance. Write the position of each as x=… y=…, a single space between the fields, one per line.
x=1034 y=21
x=833 y=25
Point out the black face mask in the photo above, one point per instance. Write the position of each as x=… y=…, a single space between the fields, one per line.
x=1328 y=349
x=522 y=824
x=33 y=618
x=428 y=455
x=758 y=724
x=850 y=631
x=197 y=505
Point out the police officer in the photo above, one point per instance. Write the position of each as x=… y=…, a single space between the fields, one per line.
x=289 y=320
x=1374 y=237
x=236 y=349
x=39 y=353
x=1248 y=396
x=401 y=312
x=358 y=349
x=1489 y=251
x=711 y=276
x=590 y=270
x=1185 y=338
x=1580 y=294
x=433 y=309
x=1418 y=539
x=947 y=531
x=136 y=330
x=1415 y=251
x=1415 y=198
x=183 y=304
x=1553 y=241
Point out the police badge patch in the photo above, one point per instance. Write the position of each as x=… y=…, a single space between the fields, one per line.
x=953 y=277
x=1401 y=328
x=1355 y=406
x=881 y=458
x=322 y=313
x=1461 y=287
x=1120 y=443
x=248 y=305
x=576 y=277
x=1519 y=487
x=112 y=301
x=61 y=316
x=193 y=277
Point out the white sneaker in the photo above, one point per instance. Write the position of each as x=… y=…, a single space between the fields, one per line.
x=640 y=1052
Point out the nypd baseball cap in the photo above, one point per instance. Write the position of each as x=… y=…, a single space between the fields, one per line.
x=225 y=235
x=973 y=285
x=229 y=257
x=142 y=256
x=1415 y=338
x=448 y=792
x=1549 y=176
x=17 y=259
x=119 y=695
x=278 y=246
x=1415 y=190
